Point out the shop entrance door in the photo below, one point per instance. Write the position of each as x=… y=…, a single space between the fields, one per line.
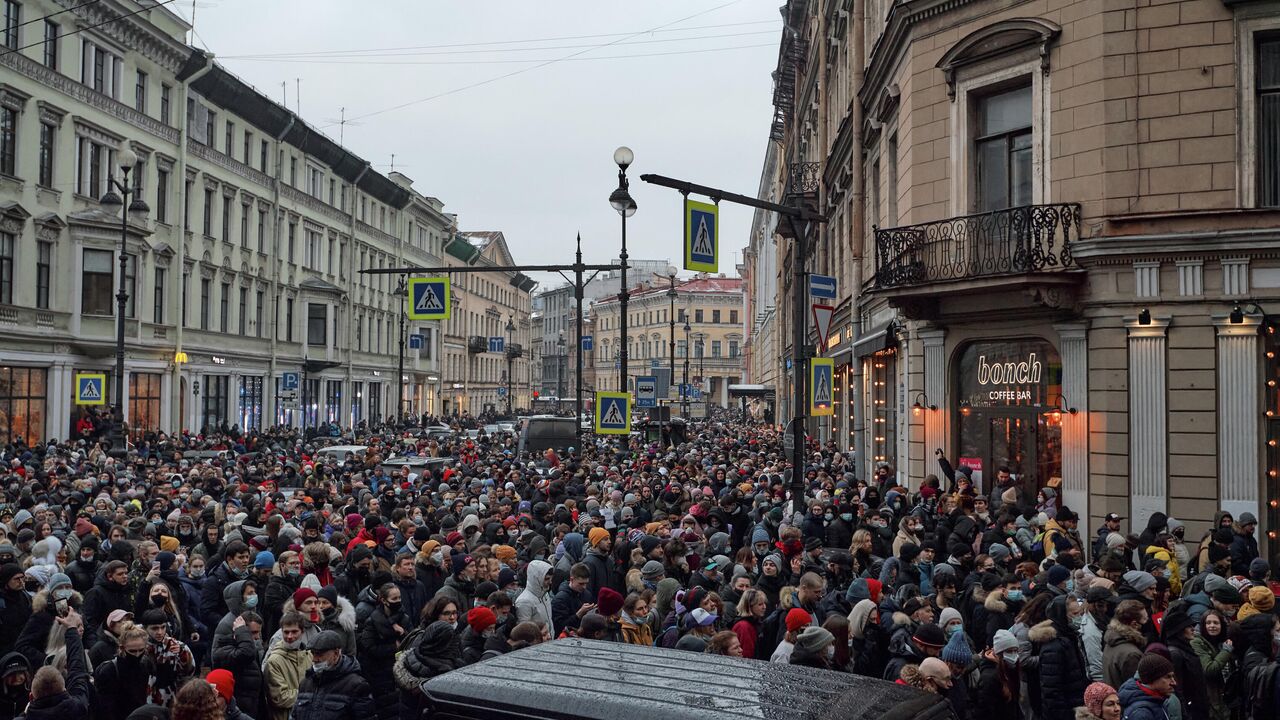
x=1013 y=445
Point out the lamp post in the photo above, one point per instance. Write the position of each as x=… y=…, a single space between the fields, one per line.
x=671 y=340
x=561 y=358
x=702 y=372
x=621 y=201
x=126 y=161
x=401 y=292
x=511 y=328
x=684 y=386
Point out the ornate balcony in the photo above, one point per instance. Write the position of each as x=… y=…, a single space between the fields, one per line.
x=1017 y=241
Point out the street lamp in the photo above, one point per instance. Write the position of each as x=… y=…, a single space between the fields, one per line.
x=560 y=363
x=671 y=340
x=403 y=295
x=511 y=328
x=126 y=161
x=684 y=386
x=621 y=201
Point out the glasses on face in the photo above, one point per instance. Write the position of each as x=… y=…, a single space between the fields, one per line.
x=135 y=653
x=449 y=614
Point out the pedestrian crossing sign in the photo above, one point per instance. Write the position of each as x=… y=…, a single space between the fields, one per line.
x=91 y=389
x=429 y=299
x=701 y=236
x=613 y=413
x=821 y=379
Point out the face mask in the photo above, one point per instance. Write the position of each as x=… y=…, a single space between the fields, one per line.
x=394 y=607
x=295 y=572
x=62 y=594
x=1014 y=595
x=320 y=666
x=196 y=572
x=1010 y=658
x=1071 y=585
x=157 y=601
x=295 y=645
x=847 y=517
x=828 y=517
x=953 y=629
x=251 y=602
x=437 y=557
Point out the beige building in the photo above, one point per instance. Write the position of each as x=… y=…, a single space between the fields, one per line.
x=711 y=349
x=1054 y=225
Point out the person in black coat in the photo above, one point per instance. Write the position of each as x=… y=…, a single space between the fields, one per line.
x=52 y=697
x=109 y=592
x=334 y=688
x=1063 y=669
x=241 y=654
x=413 y=594
x=1178 y=628
x=15 y=606
x=84 y=571
x=379 y=637
x=435 y=654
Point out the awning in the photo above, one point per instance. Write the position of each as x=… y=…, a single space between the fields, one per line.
x=880 y=338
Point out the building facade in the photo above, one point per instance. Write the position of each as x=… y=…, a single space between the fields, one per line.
x=244 y=267
x=1056 y=224
x=708 y=347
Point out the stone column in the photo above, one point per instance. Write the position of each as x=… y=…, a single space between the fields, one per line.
x=1238 y=415
x=1073 y=347
x=935 y=394
x=1148 y=419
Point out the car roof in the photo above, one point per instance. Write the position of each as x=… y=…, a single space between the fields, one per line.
x=342 y=449
x=575 y=678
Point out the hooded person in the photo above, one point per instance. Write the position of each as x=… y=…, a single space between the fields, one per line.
x=435 y=654
x=1178 y=629
x=1063 y=669
x=570 y=553
x=597 y=559
x=15 y=607
x=534 y=602
x=240 y=652
x=811 y=648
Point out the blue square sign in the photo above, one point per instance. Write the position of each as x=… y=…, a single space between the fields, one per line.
x=429 y=299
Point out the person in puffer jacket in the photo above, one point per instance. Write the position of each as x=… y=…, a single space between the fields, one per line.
x=1063 y=671
x=534 y=603
x=435 y=654
x=334 y=688
x=1143 y=697
x=285 y=667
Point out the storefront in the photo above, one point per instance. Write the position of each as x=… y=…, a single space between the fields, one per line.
x=22 y=403
x=214 y=404
x=249 y=415
x=1007 y=395
x=880 y=374
x=144 y=403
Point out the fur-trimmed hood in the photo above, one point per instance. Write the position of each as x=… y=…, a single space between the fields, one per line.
x=1042 y=632
x=995 y=603
x=40 y=600
x=1082 y=713
x=1119 y=634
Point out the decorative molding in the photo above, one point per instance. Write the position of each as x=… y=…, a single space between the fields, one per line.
x=1238 y=413
x=1146 y=279
x=212 y=156
x=13 y=98
x=998 y=39
x=49 y=227
x=1190 y=278
x=93 y=131
x=1235 y=277
x=50 y=114
x=129 y=32
x=297 y=197
x=1148 y=419
x=13 y=217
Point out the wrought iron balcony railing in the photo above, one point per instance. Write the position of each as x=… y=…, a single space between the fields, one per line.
x=1019 y=240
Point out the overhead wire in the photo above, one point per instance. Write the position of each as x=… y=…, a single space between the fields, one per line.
x=508 y=62
x=42 y=18
x=78 y=30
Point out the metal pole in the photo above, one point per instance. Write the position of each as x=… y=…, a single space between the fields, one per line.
x=684 y=385
x=578 y=292
x=622 y=300
x=118 y=442
x=510 y=362
x=401 y=290
x=799 y=366
x=672 y=338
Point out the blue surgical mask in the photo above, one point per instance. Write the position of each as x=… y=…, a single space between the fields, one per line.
x=1071 y=585
x=847 y=517
x=1014 y=595
x=251 y=602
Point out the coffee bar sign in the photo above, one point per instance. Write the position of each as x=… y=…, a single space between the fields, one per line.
x=1017 y=373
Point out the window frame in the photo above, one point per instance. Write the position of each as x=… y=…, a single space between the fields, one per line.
x=1255 y=30
x=11 y=33
x=50 y=56
x=100 y=307
x=8 y=141
x=44 y=273
x=1007 y=137
x=47 y=154
x=158 y=295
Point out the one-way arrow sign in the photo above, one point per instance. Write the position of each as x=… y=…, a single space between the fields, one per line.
x=822 y=286
x=822 y=315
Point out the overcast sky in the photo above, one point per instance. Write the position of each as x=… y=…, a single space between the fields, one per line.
x=531 y=154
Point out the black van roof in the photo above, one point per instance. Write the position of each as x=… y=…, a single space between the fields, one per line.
x=574 y=679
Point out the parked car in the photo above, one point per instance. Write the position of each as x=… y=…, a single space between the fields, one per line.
x=339 y=452
x=542 y=432
x=574 y=679
x=418 y=465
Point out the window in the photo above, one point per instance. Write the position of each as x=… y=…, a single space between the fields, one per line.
x=1268 y=74
x=7 y=242
x=216 y=396
x=166 y=98
x=682 y=348
x=288 y=320
x=293 y=172
x=208 y=211
x=12 y=23
x=158 y=298
x=697 y=316
x=144 y=403
x=715 y=316
x=206 y=290
x=140 y=93
x=250 y=417
x=262 y=157
x=44 y=273
x=260 y=303
x=315 y=182
x=316 y=323
x=224 y=307
x=332 y=400
x=247 y=145
x=100 y=68
x=883 y=375
x=313 y=250
x=130 y=284
x=226 y=218
x=228 y=136
x=293 y=231
x=51 y=44
x=22 y=402
x=715 y=348
x=262 y=231
x=186 y=205
x=162 y=196
x=733 y=317
x=242 y=318
x=186 y=293
x=733 y=348
x=8 y=140
x=210 y=121
x=95 y=283
x=332 y=187
x=47 y=135
x=246 y=209
x=1003 y=150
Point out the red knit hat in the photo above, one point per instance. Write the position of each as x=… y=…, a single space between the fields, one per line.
x=301 y=595
x=481 y=619
x=797 y=618
x=875 y=587
x=223 y=682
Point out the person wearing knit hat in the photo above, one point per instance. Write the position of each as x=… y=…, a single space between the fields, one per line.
x=653 y=572
x=596 y=536
x=1058 y=576
x=505 y=555
x=223 y=682
x=811 y=647
x=796 y=620
x=480 y=619
x=1142 y=582
x=957 y=651
x=300 y=596
x=1260 y=600
x=1155 y=673
x=1101 y=701
x=608 y=602
x=1225 y=597
x=1259 y=570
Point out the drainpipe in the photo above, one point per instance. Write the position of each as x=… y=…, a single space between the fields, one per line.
x=176 y=396
x=269 y=391
x=858 y=194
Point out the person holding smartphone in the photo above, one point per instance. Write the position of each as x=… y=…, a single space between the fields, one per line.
x=55 y=600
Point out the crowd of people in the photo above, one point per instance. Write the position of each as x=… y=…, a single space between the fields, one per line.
x=272 y=580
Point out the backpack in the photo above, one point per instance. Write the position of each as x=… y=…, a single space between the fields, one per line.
x=1037 y=548
x=771 y=630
